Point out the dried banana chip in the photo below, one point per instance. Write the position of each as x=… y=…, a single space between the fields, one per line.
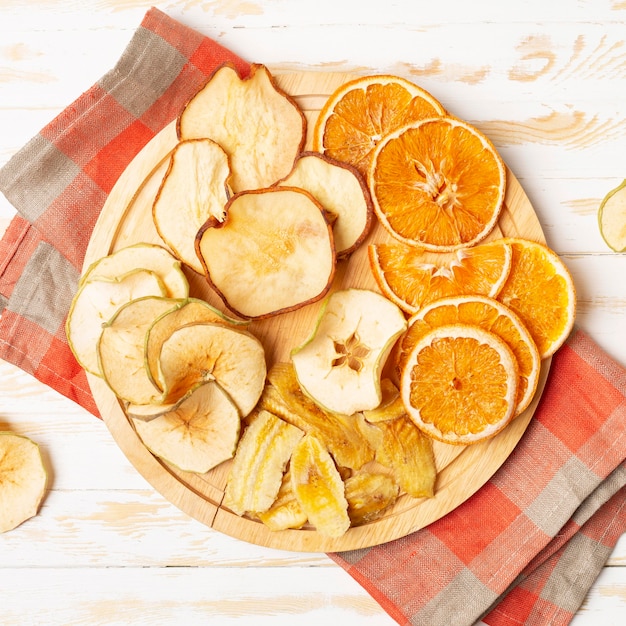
x=286 y=511
x=369 y=495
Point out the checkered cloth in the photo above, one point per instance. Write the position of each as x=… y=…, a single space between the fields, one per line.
x=524 y=549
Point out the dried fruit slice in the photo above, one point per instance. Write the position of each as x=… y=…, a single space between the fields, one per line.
x=612 y=218
x=273 y=253
x=412 y=278
x=490 y=315
x=260 y=127
x=194 y=188
x=198 y=433
x=408 y=452
x=362 y=111
x=207 y=351
x=260 y=461
x=541 y=291
x=121 y=349
x=340 y=365
x=369 y=495
x=437 y=184
x=319 y=488
x=95 y=302
x=285 y=511
x=187 y=311
x=23 y=479
x=343 y=193
x=141 y=255
x=339 y=433
x=459 y=384
x=391 y=405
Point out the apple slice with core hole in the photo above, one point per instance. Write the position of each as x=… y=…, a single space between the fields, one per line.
x=340 y=366
x=273 y=253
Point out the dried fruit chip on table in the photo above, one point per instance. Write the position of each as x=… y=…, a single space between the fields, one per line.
x=612 y=218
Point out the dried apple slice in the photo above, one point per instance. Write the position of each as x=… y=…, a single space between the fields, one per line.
x=319 y=488
x=273 y=253
x=121 y=350
x=341 y=190
x=260 y=462
x=23 y=479
x=194 y=188
x=198 y=433
x=188 y=311
x=141 y=255
x=260 y=127
x=207 y=351
x=612 y=218
x=95 y=302
x=340 y=365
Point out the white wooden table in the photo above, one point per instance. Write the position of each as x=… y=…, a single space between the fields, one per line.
x=545 y=80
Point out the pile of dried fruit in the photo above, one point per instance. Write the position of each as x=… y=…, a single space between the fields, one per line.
x=325 y=439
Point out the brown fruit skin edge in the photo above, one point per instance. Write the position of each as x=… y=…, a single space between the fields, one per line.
x=213 y=223
x=362 y=182
x=254 y=67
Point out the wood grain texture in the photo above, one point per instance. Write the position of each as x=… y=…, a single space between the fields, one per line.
x=546 y=77
x=127 y=219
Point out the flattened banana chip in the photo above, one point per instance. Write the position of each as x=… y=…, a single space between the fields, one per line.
x=286 y=511
x=409 y=454
x=260 y=461
x=319 y=488
x=339 y=433
x=369 y=495
x=391 y=405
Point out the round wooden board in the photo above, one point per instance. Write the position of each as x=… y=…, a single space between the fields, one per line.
x=126 y=219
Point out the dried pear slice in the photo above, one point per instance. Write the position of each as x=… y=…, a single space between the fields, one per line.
x=409 y=454
x=273 y=253
x=23 y=479
x=340 y=365
x=260 y=127
x=259 y=464
x=341 y=434
x=95 y=302
x=198 y=433
x=285 y=511
x=369 y=495
x=391 y=405
x=194 y=188
x=188 y=311
x=141 y=255
x=121 y=350
x=342 y=191
x=208 y=351
x=319 y=488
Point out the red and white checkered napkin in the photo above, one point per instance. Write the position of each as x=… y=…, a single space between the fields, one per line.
x=530 y=542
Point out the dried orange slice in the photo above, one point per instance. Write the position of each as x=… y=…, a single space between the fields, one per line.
x=541 y=291
x=488 y=314
x=363 y=111
x=412 y=278
x=459 y=384
x=438 y=184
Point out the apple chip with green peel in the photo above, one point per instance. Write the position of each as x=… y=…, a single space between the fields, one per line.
x=197 y=433
x=260 y=127
x=188 y=311
x=95 y=302
x=274 y=252
x=612 y=218
x=194 y=188
x=340 y=365
x=121 y=350
x=142 y=255
x=23 y=479
x=199 y=352
x=343 y=193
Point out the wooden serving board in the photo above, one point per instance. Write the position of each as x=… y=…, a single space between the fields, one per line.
x=126 y=219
